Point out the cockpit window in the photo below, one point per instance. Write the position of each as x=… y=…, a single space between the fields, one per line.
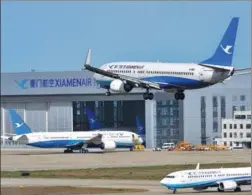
x=170 y=176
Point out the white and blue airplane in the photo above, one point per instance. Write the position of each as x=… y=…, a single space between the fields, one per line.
x=105 y=140
x=225 y=179
x=122 y=77
x=94 y=124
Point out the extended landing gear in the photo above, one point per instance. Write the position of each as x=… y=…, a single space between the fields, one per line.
x=68 y=151
x=108 y=93
x=174 y=191
x=238 y=189
x=148 y=95
x=179 y=96
x=83 y=150
x=220 y=190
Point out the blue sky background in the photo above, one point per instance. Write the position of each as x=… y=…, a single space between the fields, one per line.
x=53 y=36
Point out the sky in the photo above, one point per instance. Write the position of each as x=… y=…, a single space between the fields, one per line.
x=55 y=36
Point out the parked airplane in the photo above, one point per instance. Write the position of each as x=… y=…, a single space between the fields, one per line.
x=94 y=124
x=224 y=179
x=106 y=140
x=122 y=77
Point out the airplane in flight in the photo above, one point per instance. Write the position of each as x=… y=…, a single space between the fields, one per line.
x=225 y=179
x=94 y=124
x=122 y=77
x=105 y=140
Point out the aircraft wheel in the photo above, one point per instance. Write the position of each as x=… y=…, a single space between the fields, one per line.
x=145 y=96
x=219 y=190
x=176 y=96
x=238 y=189
x=150 y=96
x=108 y=93
x=181 y=96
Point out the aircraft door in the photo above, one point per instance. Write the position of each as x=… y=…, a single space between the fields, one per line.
x=201 y=74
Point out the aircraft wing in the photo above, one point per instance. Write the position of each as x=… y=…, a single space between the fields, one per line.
x=83 y=144
x=131 y=80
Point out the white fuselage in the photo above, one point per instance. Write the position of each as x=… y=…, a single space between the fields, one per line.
x=187 y=75
x=203 y=178
x=65 y=139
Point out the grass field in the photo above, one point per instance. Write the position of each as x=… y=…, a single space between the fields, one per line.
x=138 y=173
x=63 y=190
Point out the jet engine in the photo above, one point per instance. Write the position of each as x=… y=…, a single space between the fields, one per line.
x=119 y=86
x=228 y=185
x=108 y=145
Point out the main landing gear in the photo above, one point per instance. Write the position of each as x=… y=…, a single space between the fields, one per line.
x=108 y=93
x=83 y=150
x=148 y=95
x=68 y=151
x=179 y=95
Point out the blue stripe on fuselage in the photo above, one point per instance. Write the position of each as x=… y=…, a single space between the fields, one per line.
x=203 y=183
x=65 y=143
x=168 y=82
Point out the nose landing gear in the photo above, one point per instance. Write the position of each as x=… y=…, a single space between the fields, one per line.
x=148 y=95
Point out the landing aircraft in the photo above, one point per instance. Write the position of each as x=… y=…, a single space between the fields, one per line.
x=105 y=140
x=122 y=77
x=225 y=179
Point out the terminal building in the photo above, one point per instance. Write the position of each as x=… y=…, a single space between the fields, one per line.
x=55 y=101
x=236 y=131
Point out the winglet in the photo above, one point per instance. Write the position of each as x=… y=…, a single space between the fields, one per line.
x=198 y=166
x=88 y=58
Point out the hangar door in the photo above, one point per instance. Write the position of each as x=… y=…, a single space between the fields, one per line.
x=36 y=116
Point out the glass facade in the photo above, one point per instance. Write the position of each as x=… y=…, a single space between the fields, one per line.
x=203 y=119
x=111 y=114
x=223 y=106
x=167 y=122
x=215 y=114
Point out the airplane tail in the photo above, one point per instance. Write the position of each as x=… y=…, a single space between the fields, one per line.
x=19 y=125
x=224 y=52
x=140 y=128
x=92 y=120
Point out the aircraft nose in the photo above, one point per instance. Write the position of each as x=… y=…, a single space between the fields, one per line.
x=140 y=140
x=162 y=181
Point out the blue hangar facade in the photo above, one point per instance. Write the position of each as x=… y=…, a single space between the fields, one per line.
x=56 y=101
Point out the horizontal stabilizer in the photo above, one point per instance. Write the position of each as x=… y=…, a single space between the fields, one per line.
x=242 y=71
x=218 y=67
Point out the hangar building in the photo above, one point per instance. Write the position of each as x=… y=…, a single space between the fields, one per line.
x=55 y=101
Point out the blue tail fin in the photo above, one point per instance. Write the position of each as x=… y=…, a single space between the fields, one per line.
x=18 y=124
x=140 y=128
x=224 y=52
x=92 y=120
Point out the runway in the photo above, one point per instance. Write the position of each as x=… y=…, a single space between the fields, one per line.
x=48 y=159
x=55 y=159
x=153 y=187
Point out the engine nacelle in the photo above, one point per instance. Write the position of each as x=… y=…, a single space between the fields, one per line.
x=228 y=185
x=119 y=86
x=108 y=145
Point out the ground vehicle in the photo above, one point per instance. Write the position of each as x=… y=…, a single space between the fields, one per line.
x=168 y=145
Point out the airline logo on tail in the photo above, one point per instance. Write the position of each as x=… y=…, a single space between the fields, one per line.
x=226 y=49
x=18 y=125
x=91 y=120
